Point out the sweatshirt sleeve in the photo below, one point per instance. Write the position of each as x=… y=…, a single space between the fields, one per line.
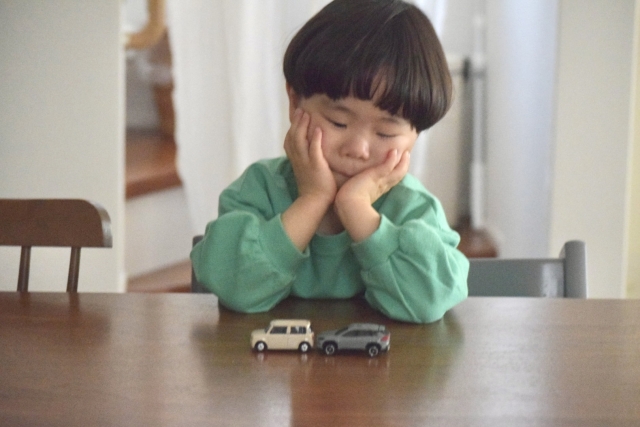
x=411 y=267
x=246 y=257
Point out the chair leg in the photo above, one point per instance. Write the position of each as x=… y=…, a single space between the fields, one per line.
x=74 y=270
x=23 y=275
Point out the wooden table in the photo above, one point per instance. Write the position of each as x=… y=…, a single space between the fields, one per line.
x=179 y=360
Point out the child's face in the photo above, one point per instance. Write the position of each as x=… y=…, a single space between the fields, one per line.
x=356 y=134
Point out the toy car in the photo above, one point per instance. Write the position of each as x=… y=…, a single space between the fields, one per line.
x=294 y=334
x=370 y=337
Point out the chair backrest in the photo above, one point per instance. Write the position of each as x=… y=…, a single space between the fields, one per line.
x=197 y=287
x=565 y=276
x=53 y=222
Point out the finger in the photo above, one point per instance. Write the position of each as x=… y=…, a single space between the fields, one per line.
x=315 y=147
x=301 y=129
x=389 y=164
x=290 y=136
x=393 y=169
x=403 y=163
x=296 y=143
x=401 y=168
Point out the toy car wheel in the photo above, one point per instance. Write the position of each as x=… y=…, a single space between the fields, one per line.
x=304 y=347
x=261 y=346
x=373 y=350
x=329 y=349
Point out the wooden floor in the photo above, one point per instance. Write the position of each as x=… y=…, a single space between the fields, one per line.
x=151 y=163
x=175 y=278
x=475 y=243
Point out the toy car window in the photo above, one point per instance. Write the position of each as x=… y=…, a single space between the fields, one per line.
x=298 y=330
x=278 y=330
x=340 y=331
x=352 y=334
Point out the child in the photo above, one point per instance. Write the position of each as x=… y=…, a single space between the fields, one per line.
x=339 y=215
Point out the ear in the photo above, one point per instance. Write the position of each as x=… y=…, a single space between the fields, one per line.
x=293 y=101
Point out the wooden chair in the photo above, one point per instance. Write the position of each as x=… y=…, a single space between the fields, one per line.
x=53 y=222
x=565 y=276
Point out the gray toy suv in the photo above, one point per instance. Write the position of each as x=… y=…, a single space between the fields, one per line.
x=370 y=337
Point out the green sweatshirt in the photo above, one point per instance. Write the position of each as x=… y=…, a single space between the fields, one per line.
x=409 y=269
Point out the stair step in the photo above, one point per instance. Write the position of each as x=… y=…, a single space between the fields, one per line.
x=150 y=163
x=175 y=278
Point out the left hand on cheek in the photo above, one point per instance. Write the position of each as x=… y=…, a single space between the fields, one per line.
x=372 y=183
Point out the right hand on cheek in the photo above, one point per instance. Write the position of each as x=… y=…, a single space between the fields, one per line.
x=316 y=185
x=312 y=172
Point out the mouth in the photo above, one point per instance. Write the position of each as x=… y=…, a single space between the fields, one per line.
x=347 y=172
x=341 y=176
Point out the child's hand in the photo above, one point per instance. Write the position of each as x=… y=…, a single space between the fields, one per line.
x=353 y=203
x=317 y=187
x=312 y=172
x=372 y=183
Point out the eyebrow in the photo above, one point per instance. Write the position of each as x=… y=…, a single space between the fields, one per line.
x=391 y=119
x=334 y=106
x=387 y=118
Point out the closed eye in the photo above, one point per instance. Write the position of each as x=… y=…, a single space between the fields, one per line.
x=338 y=124
x=385 y=135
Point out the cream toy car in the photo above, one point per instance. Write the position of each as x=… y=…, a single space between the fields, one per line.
x=294 y=334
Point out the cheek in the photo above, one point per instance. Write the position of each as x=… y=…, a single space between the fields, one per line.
x=379 y=152
x=326 y=144
x=406 y=144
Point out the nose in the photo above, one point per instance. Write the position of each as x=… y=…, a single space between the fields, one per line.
x=356 y=147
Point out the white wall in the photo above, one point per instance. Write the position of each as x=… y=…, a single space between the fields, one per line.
x=558 y=156
x=158 y=231
x=521 y=46
x=457 y=32
x=521 y=43
x=593 y=135
x=61 y=126
x=141 y=109
x=633 y=212
x=446 y=166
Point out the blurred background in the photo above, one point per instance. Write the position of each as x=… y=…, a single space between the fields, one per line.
x=151 y=107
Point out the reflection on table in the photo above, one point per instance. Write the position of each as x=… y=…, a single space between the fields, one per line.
x=179 y=359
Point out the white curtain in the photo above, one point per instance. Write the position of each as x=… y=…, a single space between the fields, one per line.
x=436 y=11
x=229 y=94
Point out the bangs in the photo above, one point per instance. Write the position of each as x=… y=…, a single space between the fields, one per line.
x=373 y=53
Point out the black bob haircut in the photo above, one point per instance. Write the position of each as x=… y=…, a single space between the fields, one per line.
x=381 y=50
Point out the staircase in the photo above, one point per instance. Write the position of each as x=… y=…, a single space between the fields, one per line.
x=158 y=231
